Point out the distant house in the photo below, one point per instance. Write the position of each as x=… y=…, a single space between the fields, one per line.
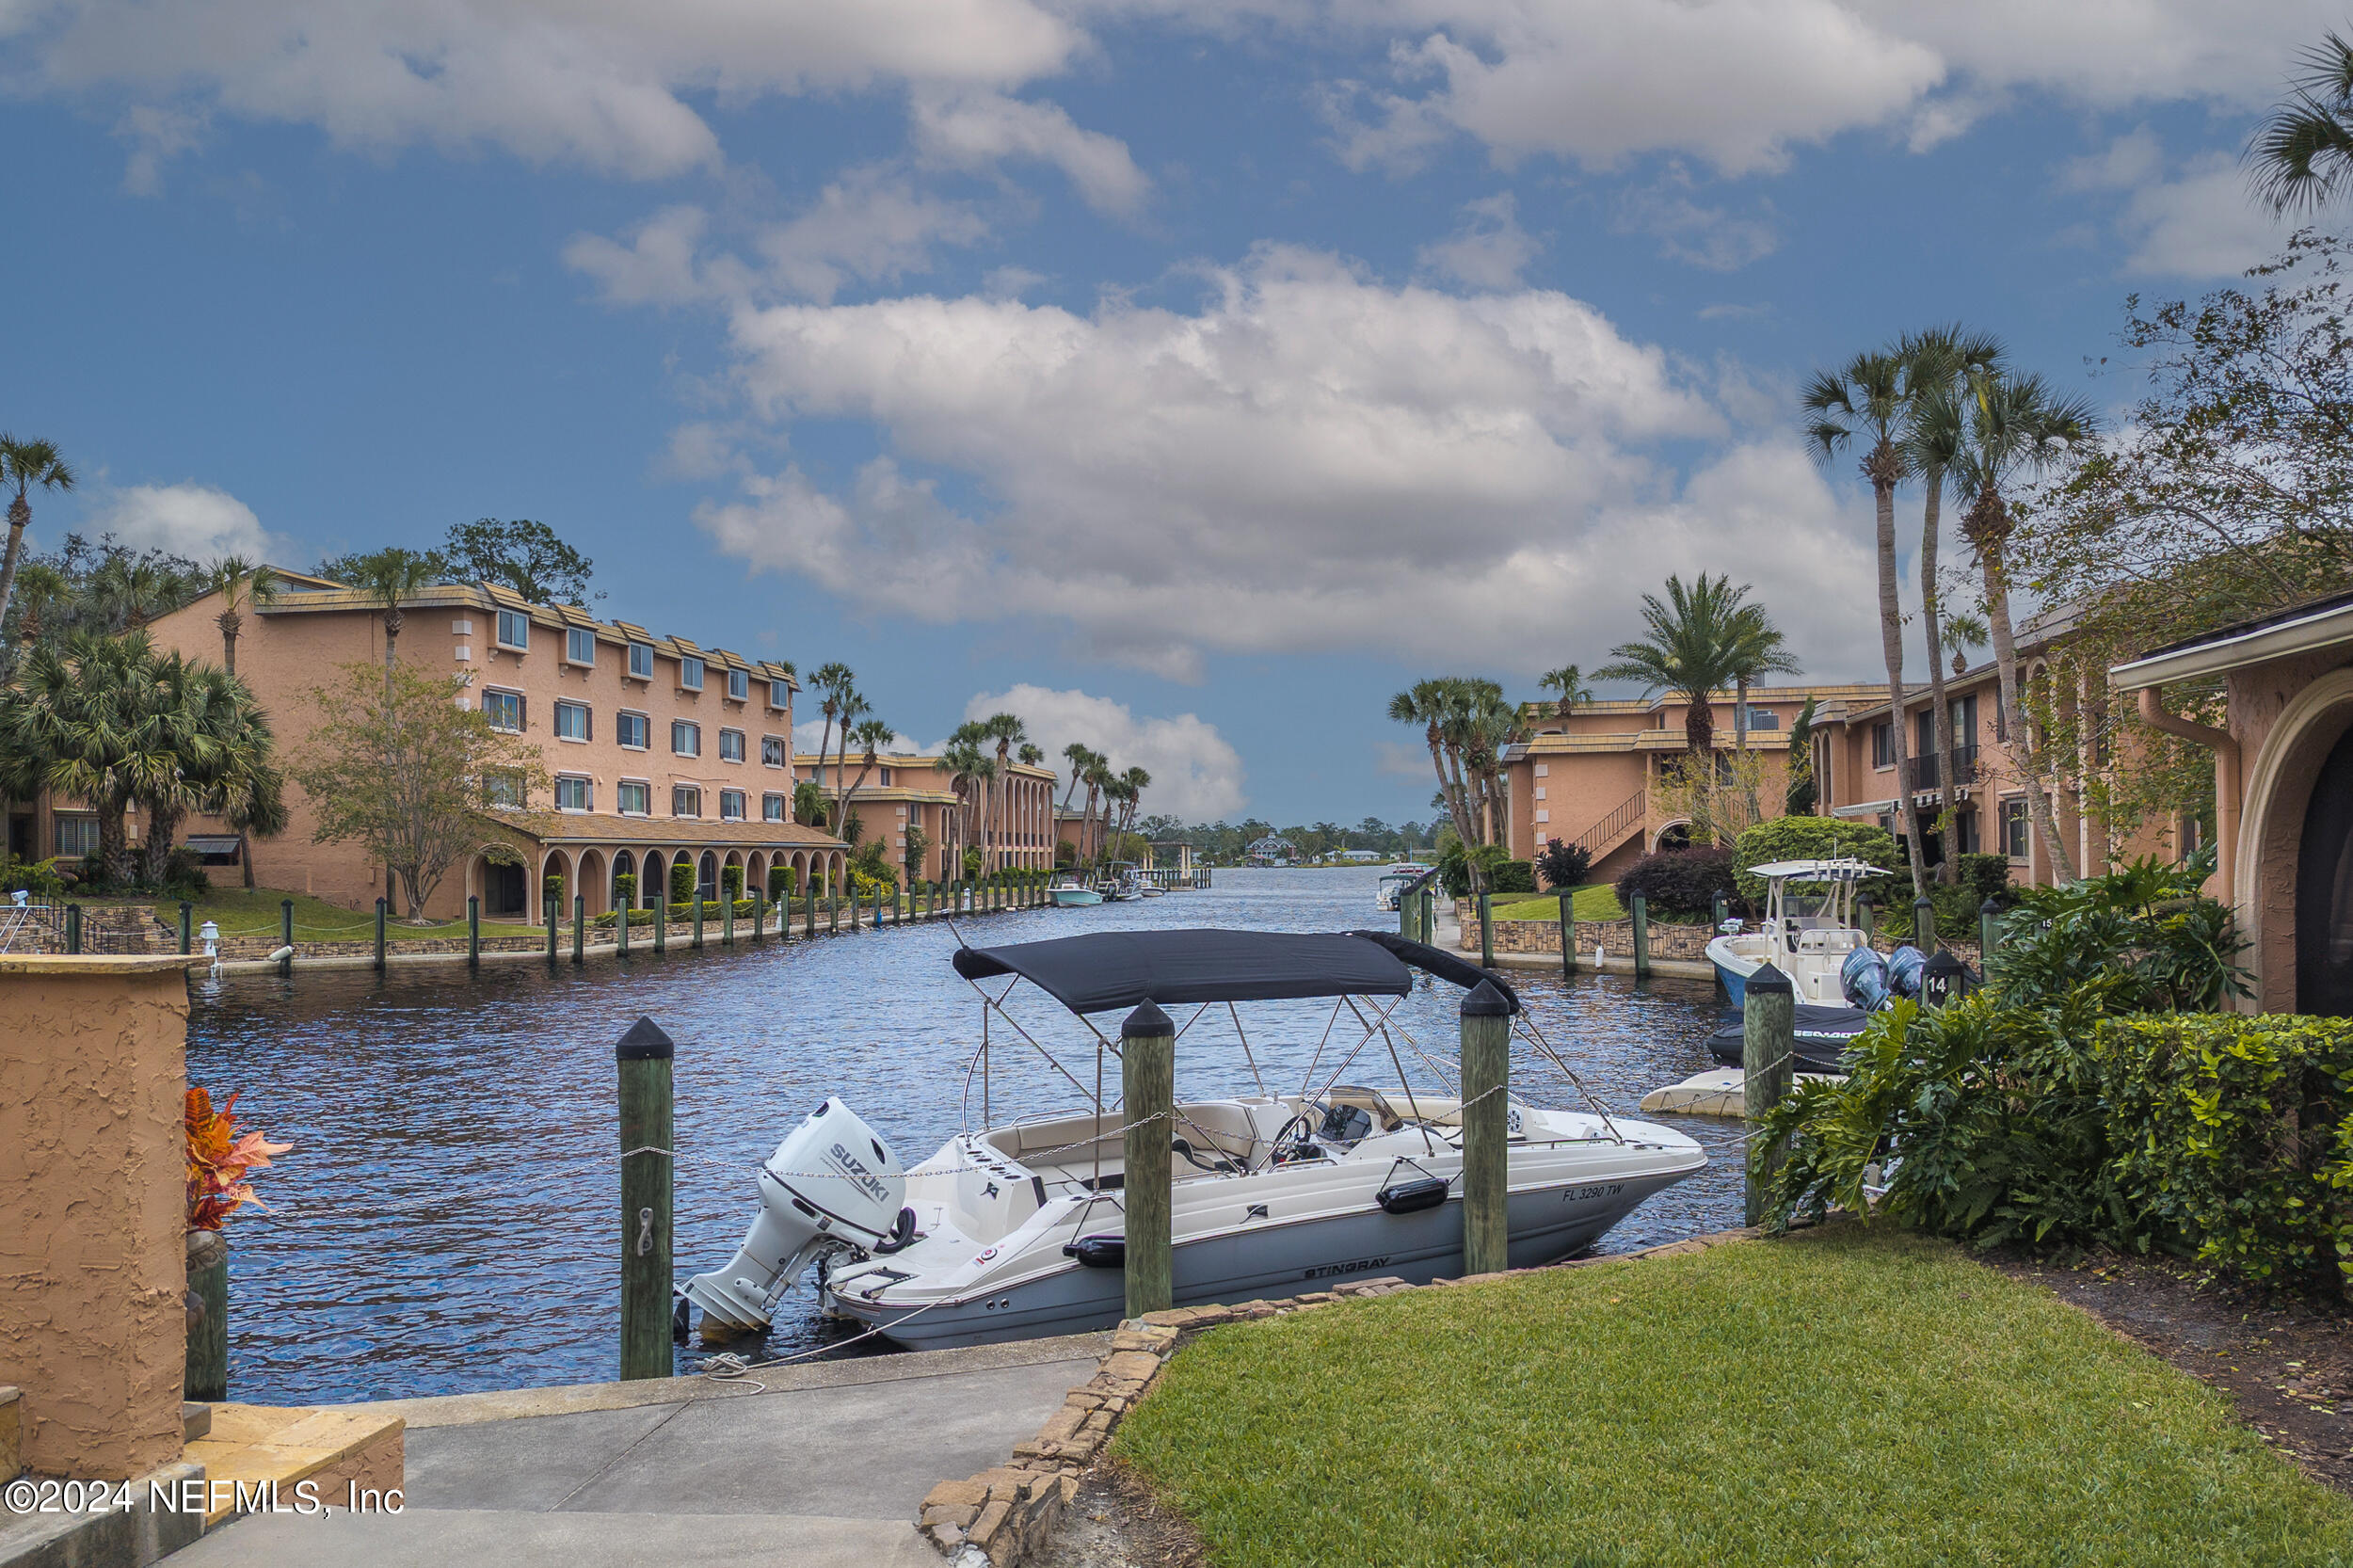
x=1272 y=850
x=1362 y=857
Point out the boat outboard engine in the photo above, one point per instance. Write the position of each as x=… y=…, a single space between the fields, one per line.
x=832 y=1184
x=1863 y=980
x=1904 y=967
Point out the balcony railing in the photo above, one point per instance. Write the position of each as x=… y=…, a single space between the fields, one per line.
x=1923 y=773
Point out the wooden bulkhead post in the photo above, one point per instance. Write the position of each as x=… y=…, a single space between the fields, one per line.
x=1486 y=1088
x=1148 y=1080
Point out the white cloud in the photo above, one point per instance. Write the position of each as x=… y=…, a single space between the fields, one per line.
x=1709 y=237
x=1310 y=460
x=978 y=130
x=2195 y=219
x=1196 y=774
x=1490 y=247
x=870 y=226
x=188 y=519
x=157 y=135
x=596 y=83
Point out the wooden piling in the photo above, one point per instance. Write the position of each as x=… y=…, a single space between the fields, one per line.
x=73 y=928
x=285 y=936
x=644 y=1057
x=727 y=917
x=555 y=920
x=188 y=912
x=809 y=903
x=1769 y=1015
x=1989 y=938
x=620 y=926
x=1148 y=1080
x=1568 y=932
x=379 y=936
x=662 y=924
x=474 y=931
x=1924 y=925
x=1642 y=935
x=759 y=913
x=1408 y=914
x=207 y=1370
x=1487 y=1089
x=696 y=939
x=833 y=907
x=1716 y=911
x=1486 y=929
x=580 y=928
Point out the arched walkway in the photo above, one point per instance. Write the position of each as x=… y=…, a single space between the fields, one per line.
x=624 y=864
x=2283 y=880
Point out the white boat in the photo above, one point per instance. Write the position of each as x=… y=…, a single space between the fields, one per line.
x=1016 y=1229
x=1117 y=881
x=1068 y=892
x=1395 y=881
x=1806 y=934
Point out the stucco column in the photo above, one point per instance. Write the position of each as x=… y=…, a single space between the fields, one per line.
x=93 y=1184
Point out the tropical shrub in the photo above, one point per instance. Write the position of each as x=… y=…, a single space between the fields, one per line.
x=220 y=1157
x=681 y=881
x=625 y=889
x=40 y=879
x=1511 y=876
x=1680 y=883
x=1957 y=906
x=731 y=879
x=607 y=920
x=782 y=882
x=2230 y=1134
x=552 y=890
x=1817 y=838
x=2145 y=938
x=1564 y=865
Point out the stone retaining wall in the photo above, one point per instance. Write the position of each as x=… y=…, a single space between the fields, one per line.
x=1616 y=939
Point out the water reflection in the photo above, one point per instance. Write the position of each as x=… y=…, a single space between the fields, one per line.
x=448 y=1221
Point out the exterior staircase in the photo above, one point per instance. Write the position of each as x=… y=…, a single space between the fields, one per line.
x=1621 y=823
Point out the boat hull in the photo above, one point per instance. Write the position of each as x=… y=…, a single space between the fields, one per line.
x=1546 y=1224
x=1076 y=898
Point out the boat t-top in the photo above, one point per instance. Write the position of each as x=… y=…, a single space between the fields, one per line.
x=1396 y=880
x=1807 y=932
x=1015 y=1228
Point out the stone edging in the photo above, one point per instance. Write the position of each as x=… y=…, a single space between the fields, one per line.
x=1005 y=1515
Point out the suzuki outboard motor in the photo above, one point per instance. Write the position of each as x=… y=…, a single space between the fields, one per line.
x=1864 y=979
x=831 y=1184
x=1904 y=966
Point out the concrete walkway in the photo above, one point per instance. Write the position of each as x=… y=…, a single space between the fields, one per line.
x=824 y=1469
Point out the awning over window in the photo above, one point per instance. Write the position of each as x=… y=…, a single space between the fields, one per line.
x=212 y=843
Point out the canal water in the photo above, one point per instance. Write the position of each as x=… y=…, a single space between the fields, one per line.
x=446 y=1219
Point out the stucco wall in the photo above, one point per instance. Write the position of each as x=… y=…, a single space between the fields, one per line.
x=92 y=1215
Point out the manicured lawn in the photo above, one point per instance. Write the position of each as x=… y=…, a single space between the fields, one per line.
x=1595 y=901
x=242 y=912
x=1839 y=1397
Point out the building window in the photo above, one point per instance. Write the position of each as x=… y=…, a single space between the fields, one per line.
x=780 y=695
x=1964 y=833
x=2014 y=829
x=686 y=739
x=689 y=675
x=634 y=800
x=503 y=786
x=641 y=660
x=580 y=645
x=731 y=746
x=514 y=630
x=77 y=834
x=573 y=794
x=629 y=730
x=771 y=752
x=731 y=805
x=772 y=808
x=685 y=801
x=739 y=685
x=1761 y=718
x=505 y=709
x=571 y=721
x=885 y=774
x=1883 y=744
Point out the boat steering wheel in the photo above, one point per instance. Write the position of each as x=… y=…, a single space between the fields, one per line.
x=1304 y=1121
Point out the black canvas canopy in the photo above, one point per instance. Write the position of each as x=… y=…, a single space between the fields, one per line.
x=1110 y=970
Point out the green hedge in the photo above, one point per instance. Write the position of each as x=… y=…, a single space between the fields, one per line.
x=2230 y=1134
x=1819 y=839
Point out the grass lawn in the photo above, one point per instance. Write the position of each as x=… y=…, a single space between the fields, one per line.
x=1837 y=1398
x=1594 y=901
x=242 y=912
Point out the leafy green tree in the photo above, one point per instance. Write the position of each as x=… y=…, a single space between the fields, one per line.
x=399 y=768
x=2303 y=151
x=520 y=554
x=1798 y=799
x=26 y=466
x=1695 y=649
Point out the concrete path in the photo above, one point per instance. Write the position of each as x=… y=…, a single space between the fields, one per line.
x=825 y=1468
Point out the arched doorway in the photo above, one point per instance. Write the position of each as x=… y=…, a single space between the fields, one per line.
x=707 y=877
x=504 y=897
x=554 y=865
x=624 y=864
x=2324 y=890
x=595 y=884
x=1676 y=836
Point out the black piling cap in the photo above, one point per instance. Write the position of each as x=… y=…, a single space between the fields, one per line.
x=644 y=1041
x=1486 y=1001
x=1146 y=1020
x=1771 y=980
x=1990 y=906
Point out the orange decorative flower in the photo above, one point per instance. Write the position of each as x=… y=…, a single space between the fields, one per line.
x=218 y=1158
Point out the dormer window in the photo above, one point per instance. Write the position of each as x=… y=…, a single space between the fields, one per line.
x=739 y=685
x=779 y=694
x=641 y=660
x=580 y=645
x=514 y=631
x=689 y=675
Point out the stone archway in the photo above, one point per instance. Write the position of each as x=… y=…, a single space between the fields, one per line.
x=1675 y=835
x=592 y=885
x=2279 y=805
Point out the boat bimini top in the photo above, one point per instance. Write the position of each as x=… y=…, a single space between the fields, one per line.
x=1846 y=870
x=1108 y=970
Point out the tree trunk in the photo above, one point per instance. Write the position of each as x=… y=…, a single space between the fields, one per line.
x=230 y=623
x=1878 y=468
x=1699 y=724
x=2022 y=756
x=1740 y=713
x=1932 y=623
x=19 y=514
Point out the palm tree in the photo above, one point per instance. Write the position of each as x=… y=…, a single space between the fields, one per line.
x=832 y=681
x=1480 y=723
x=1691 y=651
x=40 y=589
x=1964 y=631
x=1754 y=649
x=2304 y=151
x=25 y=464
x=2018 y=425
x=1429 y=704
x=1132 y=784
x=1100 y=779
x=387 y=577
x=1864 y=405
x=850 y=705
x=226 y=769
x=1569 y=682
x=129 y=591
x=1939 y=363
x=967 y=762
x=241 y=584
x=870 y=735
x=1004 y=731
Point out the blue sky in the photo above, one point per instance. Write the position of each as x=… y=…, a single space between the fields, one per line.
x=1188 y=378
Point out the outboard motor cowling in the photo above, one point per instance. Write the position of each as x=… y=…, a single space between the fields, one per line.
x=832 y=1184
x=1863 y=980
x=1905 y=966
